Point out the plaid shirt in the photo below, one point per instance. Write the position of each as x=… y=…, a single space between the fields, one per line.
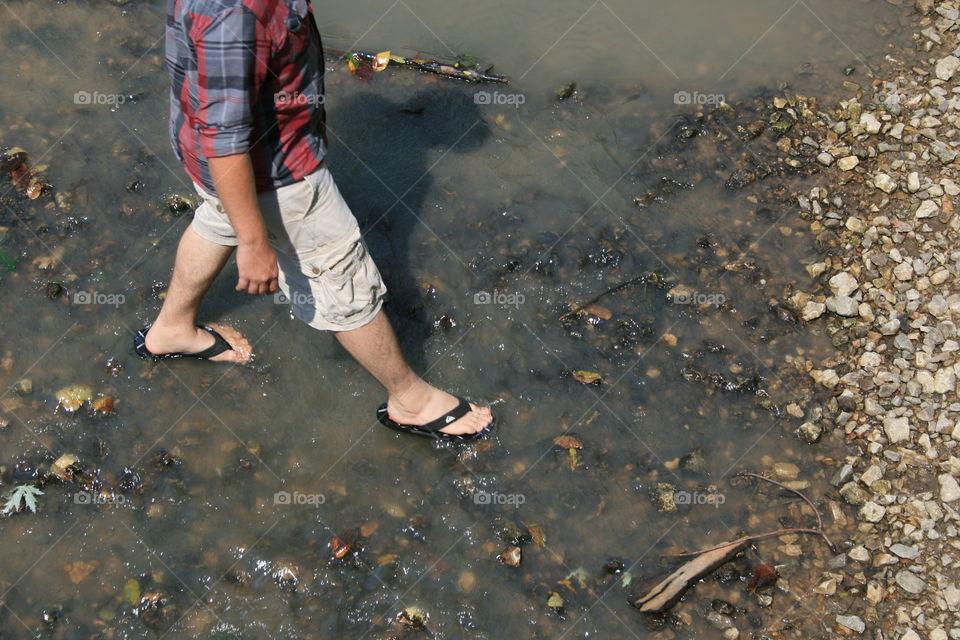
x=246 y=77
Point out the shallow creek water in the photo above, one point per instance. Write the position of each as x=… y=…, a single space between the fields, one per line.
x=536 y=206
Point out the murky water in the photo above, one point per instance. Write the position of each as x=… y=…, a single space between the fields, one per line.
x=536 y=206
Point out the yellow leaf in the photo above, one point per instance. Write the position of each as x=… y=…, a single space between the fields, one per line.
x=59 y=467
x=72 y=398
x=587 y=377
x=381 y=61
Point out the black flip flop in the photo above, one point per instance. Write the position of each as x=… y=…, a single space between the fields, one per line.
x=432 y=428
x=219 y=345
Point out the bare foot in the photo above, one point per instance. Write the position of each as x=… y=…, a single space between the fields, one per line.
x=161 y=340
x=426 y=403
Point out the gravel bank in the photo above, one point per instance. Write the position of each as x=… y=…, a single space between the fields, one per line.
x=884 y=217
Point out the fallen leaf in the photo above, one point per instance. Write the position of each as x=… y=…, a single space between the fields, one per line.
x=359 y=67
x=587 y=377
x=103 y=405
x=34 y=190
x=79 y=570
x=381 y=61
x=573 y=459
x=387 y=558
x=537 y=535
x=367 y=529
x=568 y=442
x=510 y=556
x=131 y=592
x=601 y=312
x=47 y=262
x=73 y=397
x=555 y=601
x=341 y=544
x=60 y=466
x=763 y=576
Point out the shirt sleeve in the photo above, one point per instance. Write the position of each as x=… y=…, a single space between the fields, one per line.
x=233 y=50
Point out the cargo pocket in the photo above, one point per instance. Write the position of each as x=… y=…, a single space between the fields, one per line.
x=345 y=283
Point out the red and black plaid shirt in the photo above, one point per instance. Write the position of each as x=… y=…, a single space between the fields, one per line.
x=246 y=77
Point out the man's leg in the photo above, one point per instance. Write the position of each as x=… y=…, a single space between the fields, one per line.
x=410 y=399
x=197 y=264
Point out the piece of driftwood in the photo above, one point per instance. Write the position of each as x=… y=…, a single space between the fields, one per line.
x=428 y=65
x=580 y=307
x=669 y=590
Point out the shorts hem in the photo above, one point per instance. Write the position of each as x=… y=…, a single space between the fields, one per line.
x=322 y=324
x=210 y=236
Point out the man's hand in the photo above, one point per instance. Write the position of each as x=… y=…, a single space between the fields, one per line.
x=233 y=178
x=257 y=264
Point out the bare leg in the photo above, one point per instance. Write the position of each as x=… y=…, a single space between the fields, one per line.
x=410 y=400
x=198 y=263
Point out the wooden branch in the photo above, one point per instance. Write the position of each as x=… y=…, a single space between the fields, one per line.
x=429 y=65
x=669 y=590
x=589 y=302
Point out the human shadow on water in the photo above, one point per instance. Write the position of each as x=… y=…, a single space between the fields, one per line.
x=381 y=155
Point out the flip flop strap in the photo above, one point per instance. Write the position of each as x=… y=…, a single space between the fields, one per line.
x=219 y=345
x=462 y=409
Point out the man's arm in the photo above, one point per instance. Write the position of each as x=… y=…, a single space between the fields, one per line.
x=233 y=179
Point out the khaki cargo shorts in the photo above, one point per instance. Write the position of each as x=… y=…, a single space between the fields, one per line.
x=326 y=273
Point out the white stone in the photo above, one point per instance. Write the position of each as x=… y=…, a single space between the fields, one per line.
x=843 y=306
x=825 y=159
x=848 y=163
x=870 y=122
x=870 y=359
x=947 y=67
x=854 y=623
x=897 y=429
x=909 y=582
x=927 y=209
x=885 y=183
x=913 y=182
x=872 y=512
x=949 y=489
x=903 y=271
x=813 y=310
x=843 y=284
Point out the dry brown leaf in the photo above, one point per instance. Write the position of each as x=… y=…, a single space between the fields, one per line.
x=568 y=442
x=103 y=405
x=79 y=570
x=369 y=528
x=601 y=312
x=587 y=377
x=510 y=556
